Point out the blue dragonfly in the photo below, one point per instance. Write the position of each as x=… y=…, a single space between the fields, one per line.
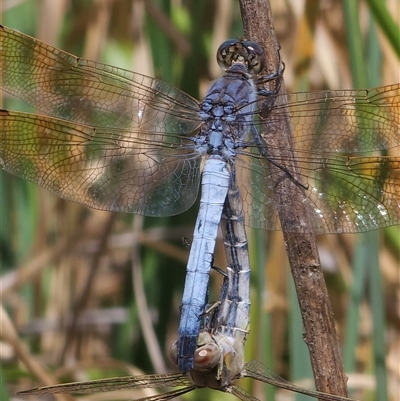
x=121 y=141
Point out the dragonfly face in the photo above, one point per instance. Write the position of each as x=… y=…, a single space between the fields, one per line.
x=241 y=51
x=218 y=360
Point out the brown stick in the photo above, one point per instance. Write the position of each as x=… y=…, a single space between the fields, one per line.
x=319 y=329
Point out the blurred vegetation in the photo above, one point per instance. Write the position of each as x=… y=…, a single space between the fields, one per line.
x=70 y=280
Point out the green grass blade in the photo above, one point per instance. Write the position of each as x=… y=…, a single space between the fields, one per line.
x=386 y=22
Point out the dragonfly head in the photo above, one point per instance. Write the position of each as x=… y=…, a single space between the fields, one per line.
x=207 y=354
x=218 y=360
x=245 y=52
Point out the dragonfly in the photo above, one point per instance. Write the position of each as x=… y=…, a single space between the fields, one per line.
x=120 y=141
x=219 y=356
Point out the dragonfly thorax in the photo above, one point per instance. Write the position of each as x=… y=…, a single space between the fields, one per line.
x=226 y=111
x=215 y=142
x=228 y=94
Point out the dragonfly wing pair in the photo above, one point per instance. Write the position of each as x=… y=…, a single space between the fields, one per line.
x=142 y=142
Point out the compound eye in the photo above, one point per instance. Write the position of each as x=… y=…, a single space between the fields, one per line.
x=256 y=56
x=245 y=52
x=225 y=53
x=207 y=357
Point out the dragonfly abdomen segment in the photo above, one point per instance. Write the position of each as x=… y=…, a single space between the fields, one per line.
x=234 y=320
x=215 y=183
x=235 y=310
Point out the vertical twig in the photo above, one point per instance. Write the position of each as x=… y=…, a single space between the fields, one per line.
x=319 y=329
x=83 y=299
x=146 y=324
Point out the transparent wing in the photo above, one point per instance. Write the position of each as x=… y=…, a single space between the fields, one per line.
x=132 y=154
x=347 y=148
x=345 y=121
x=256 y=370
x=242 y=394
x=104 y=168
x=167 y=396
x=116 y=383
x=91 y=93
x=346 y=143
